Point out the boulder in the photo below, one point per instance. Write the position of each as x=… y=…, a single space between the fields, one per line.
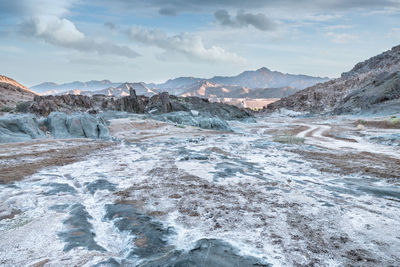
x=81 y=125
x=19 y=128
x=186 y=118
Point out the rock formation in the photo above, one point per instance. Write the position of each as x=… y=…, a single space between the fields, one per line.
x=371 y=86
x=12 y=92
x=157 y=104
x=21 y=128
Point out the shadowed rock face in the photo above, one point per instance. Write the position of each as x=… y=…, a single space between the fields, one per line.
x=384 y=90
x=371 y=86
x=157 y=104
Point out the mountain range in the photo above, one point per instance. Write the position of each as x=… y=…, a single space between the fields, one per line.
x=261 y=83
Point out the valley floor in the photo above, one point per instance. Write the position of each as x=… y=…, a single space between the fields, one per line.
x=283 y=191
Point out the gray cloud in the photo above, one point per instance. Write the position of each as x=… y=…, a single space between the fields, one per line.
x=62 y=32
x=188 y=45
x=168 y=11
x=242 y=19
x=169 y=7
x=110 y=25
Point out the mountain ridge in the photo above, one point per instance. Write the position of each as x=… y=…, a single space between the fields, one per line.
x=372 y=85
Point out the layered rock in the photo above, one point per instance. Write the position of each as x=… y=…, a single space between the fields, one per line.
x=370 y=85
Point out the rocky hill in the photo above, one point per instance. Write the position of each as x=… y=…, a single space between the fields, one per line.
x=12 y=92
x=371 y=86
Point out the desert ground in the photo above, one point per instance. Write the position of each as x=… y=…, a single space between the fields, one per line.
x=283 y=191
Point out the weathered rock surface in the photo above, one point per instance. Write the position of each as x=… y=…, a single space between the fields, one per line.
x=81 y=125
x=371 y=86
x=207 y=252
x=20 y=128
x=187 y=118
x=12 y=92
x=157 y=104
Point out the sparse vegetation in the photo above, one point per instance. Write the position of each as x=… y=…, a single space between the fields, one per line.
x=289 y=139
x=22 y=107
x=6 y=109
x=389 y=123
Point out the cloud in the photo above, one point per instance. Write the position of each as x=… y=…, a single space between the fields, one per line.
x=35 y=7
x=168 y=11
x=242 y=19
x=183 y=6
x=341 y=38
x=110 y=25
x=62 y=32
x=191 y=46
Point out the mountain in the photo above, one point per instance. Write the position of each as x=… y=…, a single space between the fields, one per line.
x=121 y=90
x=261 y=78
x=53 y=88
x=265 y=78
x=261 y=84
x=211 y=90
x=372 y=86
x=12 y=92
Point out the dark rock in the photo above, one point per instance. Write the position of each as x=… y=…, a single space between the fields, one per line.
x=150 y=235
x=60 y=188
x=157 y=104
x=207 y=252
x=79 y=231
x=100 y=184
x=371 y=86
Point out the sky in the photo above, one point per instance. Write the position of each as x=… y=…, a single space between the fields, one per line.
x=154 y=40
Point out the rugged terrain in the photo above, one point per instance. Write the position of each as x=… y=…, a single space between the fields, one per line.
x=282 y=191
x=13 y=92
x=372 y=86
x=248 y=89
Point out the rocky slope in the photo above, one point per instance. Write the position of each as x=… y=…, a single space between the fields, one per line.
x=12 y=92
x=371 y=86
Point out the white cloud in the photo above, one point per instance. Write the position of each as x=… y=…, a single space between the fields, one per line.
x=189 y=45
x=341 y=38
x=62 y=32
x=339 y=27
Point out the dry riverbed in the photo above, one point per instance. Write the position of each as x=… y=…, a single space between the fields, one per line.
x=283 y=191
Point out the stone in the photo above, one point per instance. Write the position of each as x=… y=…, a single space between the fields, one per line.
x=19 y=128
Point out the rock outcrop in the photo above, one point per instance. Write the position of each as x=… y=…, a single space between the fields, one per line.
x=12 y=92
x=157 y=104
x=80 y=125
x=21 y=128
x=370 y=86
